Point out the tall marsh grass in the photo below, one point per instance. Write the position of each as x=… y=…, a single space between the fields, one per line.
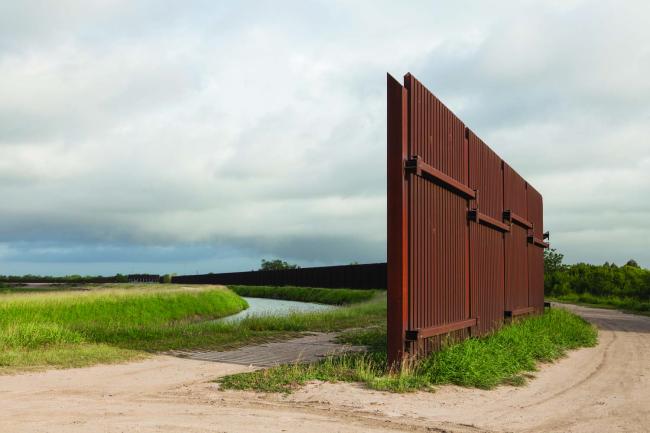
x=35 y=327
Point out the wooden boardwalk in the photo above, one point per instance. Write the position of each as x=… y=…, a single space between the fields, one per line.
x=303 y=349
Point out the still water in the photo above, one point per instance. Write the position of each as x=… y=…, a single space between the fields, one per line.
x=275 y=307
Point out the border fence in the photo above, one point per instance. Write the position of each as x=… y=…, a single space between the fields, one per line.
x=465 y=230
x=144 y=278
x=366 y=276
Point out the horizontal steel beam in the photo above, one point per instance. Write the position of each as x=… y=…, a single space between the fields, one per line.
x=537 y=242
x=518 y=311
x=418 y=167
x=509 y=215
x=418 y=334
x=481 y=218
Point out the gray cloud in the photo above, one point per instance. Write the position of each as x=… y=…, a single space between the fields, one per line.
x=197 y=136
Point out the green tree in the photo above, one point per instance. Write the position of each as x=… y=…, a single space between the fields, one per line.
x=553 y=261
x=632 y=263
x=167 y=278
x=119 y=278
x=276 y=265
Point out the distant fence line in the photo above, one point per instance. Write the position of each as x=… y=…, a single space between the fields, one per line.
x=366 y=276
x=132 y=278
x=61 y=280
x=144 y=278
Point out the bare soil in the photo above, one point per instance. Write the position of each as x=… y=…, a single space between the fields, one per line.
x=601 y=389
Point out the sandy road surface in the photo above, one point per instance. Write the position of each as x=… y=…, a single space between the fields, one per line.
x=602 y=389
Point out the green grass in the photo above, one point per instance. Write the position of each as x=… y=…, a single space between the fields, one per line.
x=116 y=322
x=8 y=289
x=615 y=302
x=225 y=335
x=64 y=356
x=505 y=357
x=75 y=328
x=306 y=294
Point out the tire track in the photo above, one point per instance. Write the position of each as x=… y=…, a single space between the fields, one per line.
x=598 y=370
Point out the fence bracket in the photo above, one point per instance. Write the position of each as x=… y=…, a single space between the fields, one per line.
x=418 y=334
x=518 y=312
x=537 y=242
x=512 y=217
x=420 y=168
x=481 y=218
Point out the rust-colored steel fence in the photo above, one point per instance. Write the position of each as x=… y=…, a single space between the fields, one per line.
x=144 y=278
x=365 y=276
x=465 y=233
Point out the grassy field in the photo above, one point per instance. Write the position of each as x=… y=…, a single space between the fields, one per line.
x=505 y=357
x=74 y=328
x=624 y=304
x=306 y=294
x=84 y=325
x=112 y=323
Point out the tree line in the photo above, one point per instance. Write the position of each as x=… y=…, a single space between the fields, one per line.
x=29 y=278
x=629 y=281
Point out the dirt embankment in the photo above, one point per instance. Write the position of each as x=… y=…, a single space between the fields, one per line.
x=601 y=389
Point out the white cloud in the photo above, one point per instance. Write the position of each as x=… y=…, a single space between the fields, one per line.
x=259 y=129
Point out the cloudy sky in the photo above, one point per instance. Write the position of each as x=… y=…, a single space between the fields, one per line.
x=154 y=136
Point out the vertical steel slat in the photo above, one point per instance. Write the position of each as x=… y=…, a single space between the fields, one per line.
x=397 y=224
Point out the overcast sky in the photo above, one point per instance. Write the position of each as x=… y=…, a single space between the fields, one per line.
x=153 y=136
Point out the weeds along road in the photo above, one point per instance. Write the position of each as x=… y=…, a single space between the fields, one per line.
x=601 y=389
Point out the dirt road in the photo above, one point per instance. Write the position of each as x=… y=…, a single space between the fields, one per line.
x=602 y=389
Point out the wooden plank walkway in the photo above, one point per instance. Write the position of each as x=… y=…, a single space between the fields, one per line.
x=303 y=349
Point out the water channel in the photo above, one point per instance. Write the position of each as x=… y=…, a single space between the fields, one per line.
x=275 y=307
